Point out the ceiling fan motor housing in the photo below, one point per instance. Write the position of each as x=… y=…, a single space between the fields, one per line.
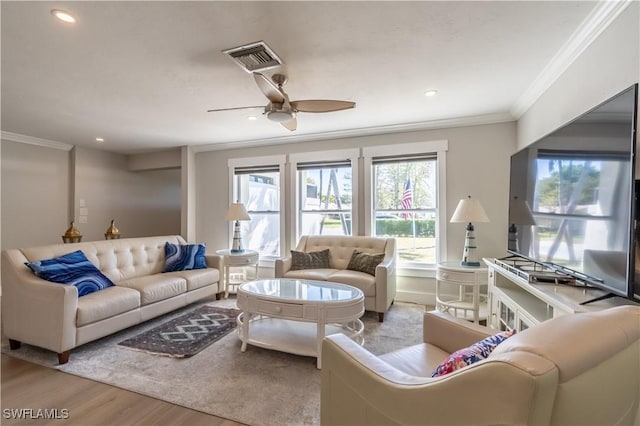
x=275 y=112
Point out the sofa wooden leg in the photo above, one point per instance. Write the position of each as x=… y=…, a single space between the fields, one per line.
x=14 y=344
x=219 y=296
x=63 y=357
x=380 y=316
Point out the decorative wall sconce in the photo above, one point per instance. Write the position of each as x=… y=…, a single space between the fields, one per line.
x=72 y=235
x=112 y=232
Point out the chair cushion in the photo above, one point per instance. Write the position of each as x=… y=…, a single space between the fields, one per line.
x=198 y=278
x=72 y=269
x=474 y=353
x=311 y=260
x=417 y=360
x=361 y=280
x=106 y=304
x=365 y=262
x=154 y=288
x=183 y=257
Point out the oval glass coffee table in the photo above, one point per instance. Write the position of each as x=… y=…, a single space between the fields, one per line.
x=293 y=316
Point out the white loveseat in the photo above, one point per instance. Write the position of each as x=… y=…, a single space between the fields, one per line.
x=52 y=316
x=379 y=290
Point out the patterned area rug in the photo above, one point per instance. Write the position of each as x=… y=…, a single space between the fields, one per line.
x=259 y=387
x=186 y=335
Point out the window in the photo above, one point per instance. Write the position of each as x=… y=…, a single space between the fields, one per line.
x=324 y=185
x=257 y=184
x=406 y=190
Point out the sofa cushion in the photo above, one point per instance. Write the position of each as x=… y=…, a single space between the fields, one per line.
x=365 y=262
x=417 y=360
x=198 y=278
x=72 y=269
x=361 y=280
x=154 y=288
x=184 y=257
x=311 y=274
x=105 y=304
x=474 y=353
x=311 y=260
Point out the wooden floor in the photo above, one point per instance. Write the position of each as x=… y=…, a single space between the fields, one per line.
x=87 y=403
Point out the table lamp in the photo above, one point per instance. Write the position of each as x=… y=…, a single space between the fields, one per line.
x=237 y=212
x=469 y=211
x=519 y=214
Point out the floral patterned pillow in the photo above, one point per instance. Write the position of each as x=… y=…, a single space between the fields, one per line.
x=474 y=353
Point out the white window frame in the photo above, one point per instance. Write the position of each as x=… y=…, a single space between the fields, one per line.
x=351 y=155
x=279 y=160
x=440 y=147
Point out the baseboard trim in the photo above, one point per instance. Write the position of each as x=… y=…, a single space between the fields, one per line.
x=416 y=297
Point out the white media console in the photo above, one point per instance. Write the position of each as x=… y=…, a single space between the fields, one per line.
x=516 y=301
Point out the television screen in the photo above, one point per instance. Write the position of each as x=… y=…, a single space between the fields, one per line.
x=572 y=193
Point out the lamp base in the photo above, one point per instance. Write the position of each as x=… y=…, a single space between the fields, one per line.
x=465 y=263
x=236 y=251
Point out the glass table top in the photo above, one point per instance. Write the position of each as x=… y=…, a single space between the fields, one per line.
x=302 y=290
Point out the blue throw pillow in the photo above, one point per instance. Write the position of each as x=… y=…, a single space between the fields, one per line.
x=72 y=269
x=184 y=257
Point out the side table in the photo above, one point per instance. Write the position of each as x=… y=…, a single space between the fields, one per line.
x=230 y=260
x=468 y=302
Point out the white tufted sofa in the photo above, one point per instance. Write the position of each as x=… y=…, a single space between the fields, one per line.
x=379 y=290
x=52 y=316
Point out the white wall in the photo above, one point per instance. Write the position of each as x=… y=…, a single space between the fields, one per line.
x=42 y=188
x=608 y=66
x=141 y=203
x=35 y=194
x=477 y=164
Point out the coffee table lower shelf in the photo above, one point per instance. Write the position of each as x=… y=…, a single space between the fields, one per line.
x=294 y=337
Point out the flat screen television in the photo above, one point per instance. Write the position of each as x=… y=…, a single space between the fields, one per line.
x=572 y=204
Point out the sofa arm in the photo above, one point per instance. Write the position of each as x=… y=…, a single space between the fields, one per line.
x=450 y=333
x=213 y=261
x=35 y=311
x=385 y=283
x=283 y=266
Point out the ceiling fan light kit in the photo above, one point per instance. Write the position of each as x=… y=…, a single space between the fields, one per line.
x=258 y=56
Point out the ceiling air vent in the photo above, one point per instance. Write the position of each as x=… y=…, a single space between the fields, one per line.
x=254 y=57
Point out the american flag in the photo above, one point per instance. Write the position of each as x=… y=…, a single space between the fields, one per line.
x=407 y=198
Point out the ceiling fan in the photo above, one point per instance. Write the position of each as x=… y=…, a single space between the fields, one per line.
x=281 y=110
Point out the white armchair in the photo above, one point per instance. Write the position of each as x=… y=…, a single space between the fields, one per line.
x=379 y=290
x=580 y=369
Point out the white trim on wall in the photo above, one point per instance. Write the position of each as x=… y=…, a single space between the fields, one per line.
x=15 y=137
x=597 y=21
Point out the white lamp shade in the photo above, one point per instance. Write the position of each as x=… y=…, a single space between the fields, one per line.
x=237 y=212
x=520 y=213
x=469 y=211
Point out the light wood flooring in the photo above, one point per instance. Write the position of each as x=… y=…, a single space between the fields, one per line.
x=89 y=403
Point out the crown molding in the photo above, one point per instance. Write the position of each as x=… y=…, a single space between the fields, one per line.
x=597 y=21
x=369 y=131
x=15 y=137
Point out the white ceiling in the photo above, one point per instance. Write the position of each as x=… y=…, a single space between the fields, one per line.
x=141 y=75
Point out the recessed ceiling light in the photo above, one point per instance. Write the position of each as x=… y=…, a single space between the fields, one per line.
x=99 y=140
x=430 y=93
x=64 y=16
x=252 y=118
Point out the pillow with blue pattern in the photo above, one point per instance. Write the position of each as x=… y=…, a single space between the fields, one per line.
x=474 y=353
x=184 y=257
x=72 y=269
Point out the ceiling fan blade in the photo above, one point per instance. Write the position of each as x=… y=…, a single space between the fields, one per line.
x=270 y=90
x=233 y=109
x=291 y=124
x=321 y=105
